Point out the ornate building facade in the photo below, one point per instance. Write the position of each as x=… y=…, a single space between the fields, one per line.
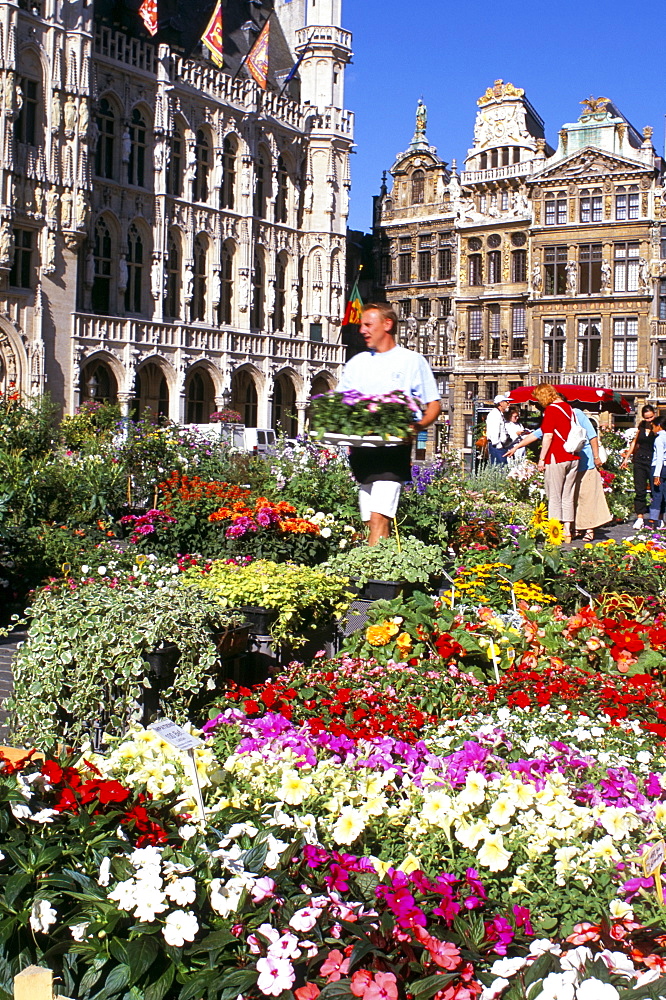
x=532 y=263
x=172 y=236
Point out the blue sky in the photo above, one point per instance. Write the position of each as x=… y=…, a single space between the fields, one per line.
x=449 y=53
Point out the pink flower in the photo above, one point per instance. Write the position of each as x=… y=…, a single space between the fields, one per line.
x=384 y=987
x=304 y=920
x=262 y=889
x=275 y=975
x=309 y=992
x=360 y=982
x=335 y=966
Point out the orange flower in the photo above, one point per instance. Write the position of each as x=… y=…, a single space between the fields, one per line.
x=299 y=526
x=404 y=643
x=377 y=635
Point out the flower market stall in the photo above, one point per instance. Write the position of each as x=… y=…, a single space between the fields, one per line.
x=463 y=797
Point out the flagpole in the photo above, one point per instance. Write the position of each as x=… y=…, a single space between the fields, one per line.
x=249 y=51
x=292 y=72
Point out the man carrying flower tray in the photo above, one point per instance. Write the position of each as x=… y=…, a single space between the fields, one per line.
x=387 y=368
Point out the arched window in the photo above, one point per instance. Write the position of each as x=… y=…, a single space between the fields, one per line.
x=280 y=295
x=173 y=279
x=201 y=168
x=105 y=152
x=418 y=187
x=282 y=193
x=97 y=383
x=196 y=399
x=227 y=283
x=228 y=189
x=257 y=315
x=101 y=290
x=200 y=276
x=135 y=261
x=136 y=168
x=174 y=177
x=262 y=184
x=27 y=125
x=244 y=398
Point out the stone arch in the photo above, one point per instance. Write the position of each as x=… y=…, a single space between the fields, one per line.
x=100 y=377
x=322 y=381
x=247 y=385
x=14 y=364
x=202 y=386
x=286 y=388
x=154 y=384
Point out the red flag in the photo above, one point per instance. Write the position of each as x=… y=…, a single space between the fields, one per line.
x=354 y=307
x=212 y=36
x=148 y=14
x=257 y=60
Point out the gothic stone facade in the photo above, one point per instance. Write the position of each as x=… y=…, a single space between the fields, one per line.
x=533 y=263
x=170 y=235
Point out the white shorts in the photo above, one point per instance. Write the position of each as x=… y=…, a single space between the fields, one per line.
x=379 y=498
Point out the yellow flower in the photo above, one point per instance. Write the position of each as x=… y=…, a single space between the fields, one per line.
x=554 y=531
x=493 y=854
x=404 y=643
x=377 y=635
x=540 y=516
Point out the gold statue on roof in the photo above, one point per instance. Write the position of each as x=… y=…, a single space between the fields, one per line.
x=500 y=90
x=595 y=105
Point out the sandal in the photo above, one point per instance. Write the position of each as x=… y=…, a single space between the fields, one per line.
x=589 y=535
x=566 y=539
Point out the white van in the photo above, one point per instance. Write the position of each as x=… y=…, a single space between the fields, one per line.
x=259 y=440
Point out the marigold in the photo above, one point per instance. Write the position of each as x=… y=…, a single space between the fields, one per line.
x=378 y=635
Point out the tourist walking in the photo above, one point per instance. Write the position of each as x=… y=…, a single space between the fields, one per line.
x=558 y=465
x=640 y=454
x=590 y=504
x=380 y=472
x=497 y=433
x=658 y=500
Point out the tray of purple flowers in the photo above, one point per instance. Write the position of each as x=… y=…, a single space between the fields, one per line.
x=360 y=440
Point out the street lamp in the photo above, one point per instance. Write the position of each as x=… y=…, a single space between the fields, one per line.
x=92 y=385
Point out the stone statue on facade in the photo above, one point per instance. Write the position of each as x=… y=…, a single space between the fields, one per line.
x=55 y=112
x=66 y=207
x=536 y=278
x=217 y=287
x=71 y=116
x=606 y=274
x=572 y=277
x=294 y=301
x=81 y=210
x=308 y=197
x=244 y=293
x=123 y=274
x=644 y=274
x=156 y=278
x=83 y=118
x=5 y=244
x=50 y=255
x=270 y=297
x=189 y=283
x=125 y=145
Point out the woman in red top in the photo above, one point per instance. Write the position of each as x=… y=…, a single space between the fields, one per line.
x=558 y=465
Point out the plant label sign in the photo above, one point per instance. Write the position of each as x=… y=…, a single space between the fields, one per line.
x=175 y=735
x=652 y=862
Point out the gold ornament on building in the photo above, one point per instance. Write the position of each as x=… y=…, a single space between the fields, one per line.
x=595 y=105
x=498 y=91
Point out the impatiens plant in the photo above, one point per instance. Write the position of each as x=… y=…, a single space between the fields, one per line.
x=352 y=412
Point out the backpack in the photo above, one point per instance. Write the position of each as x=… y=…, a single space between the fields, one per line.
x=576 y=437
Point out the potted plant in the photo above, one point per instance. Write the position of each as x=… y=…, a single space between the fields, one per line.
x=384 y=570
x=86 y=658
x=296 y=601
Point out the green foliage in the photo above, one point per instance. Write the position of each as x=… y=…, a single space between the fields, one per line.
x=92 y=424
x=412 y=561
x=306 y=599
x=27 y=427
x=84 y=658
x=311 y=472
x=389 y=415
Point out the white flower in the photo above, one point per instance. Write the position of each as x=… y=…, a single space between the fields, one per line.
x=44 y=816
x=224 y=899
x=19 y=810
x=85 y=569
x=124 y=894
x=104 y=872
x=497 y=987
x=101 y=570
x=42 y=916
x=187 y=831
x=349 y=826
x=149 y=902
x=180 y=927
x=594 y=989
x=275 y=975
x=557 y=986
x=505 y=967
x=183 y=891
x=78 y=931
x=493 y=854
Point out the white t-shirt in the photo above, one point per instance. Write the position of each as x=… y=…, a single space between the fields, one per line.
x=375 y=373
